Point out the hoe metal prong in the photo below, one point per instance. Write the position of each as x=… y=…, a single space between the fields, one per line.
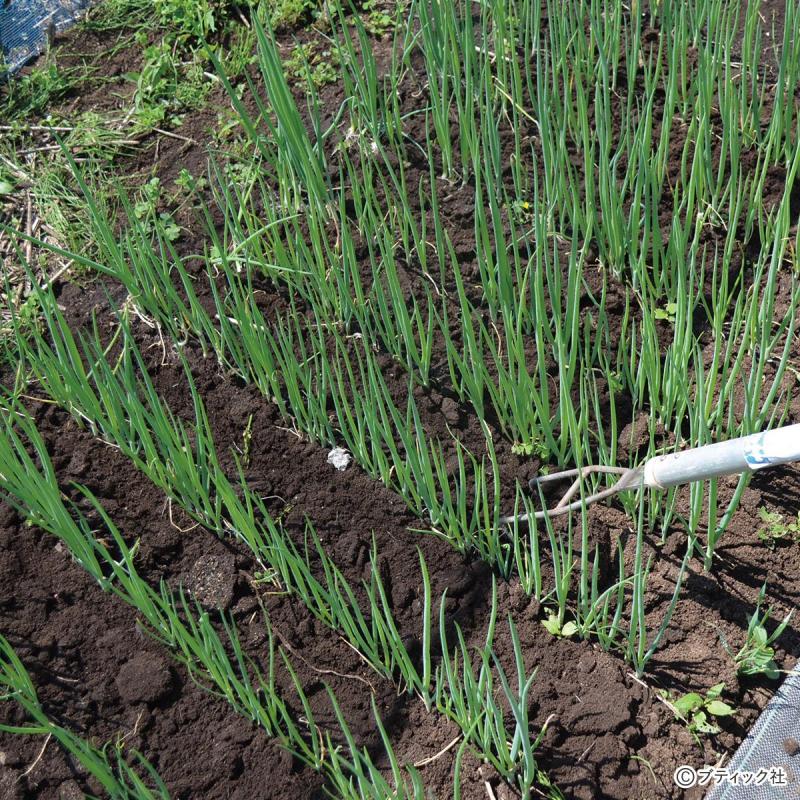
x=629 y=479
x=734 y=456
x=576 y=484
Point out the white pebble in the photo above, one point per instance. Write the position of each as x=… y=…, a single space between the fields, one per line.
x=339 y=458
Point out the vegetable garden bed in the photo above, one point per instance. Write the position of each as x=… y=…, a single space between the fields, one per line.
x=467 y=243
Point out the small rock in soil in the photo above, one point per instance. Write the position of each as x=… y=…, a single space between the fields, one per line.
x=212 y=580
x=69 y=790
x=634 y=435
x=450 y=410
x=145 y=678
x=79 y=463
x=402 y=596
x=339 y=458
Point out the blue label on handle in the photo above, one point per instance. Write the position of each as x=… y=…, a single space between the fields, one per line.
x=758 y=455
x=758 y=460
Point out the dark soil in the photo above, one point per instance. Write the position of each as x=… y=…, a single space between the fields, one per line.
x=609 y=735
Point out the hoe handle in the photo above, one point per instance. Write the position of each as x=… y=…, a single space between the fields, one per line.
x=724 y=458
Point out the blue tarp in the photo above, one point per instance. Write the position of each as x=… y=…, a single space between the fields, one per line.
x=26 y=26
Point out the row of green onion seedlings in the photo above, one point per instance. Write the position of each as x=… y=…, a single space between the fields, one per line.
x=465 y=509
x=212 y=653
x=309 y=368
x=118 y=403
x=527 y=356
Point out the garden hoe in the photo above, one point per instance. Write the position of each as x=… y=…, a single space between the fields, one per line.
x=753 y=452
